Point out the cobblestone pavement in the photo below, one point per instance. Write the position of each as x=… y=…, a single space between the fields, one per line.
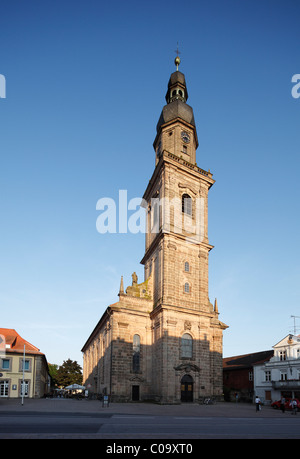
x=185 y=409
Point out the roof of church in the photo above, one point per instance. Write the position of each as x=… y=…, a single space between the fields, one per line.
x=177 y=77
x=177 y=108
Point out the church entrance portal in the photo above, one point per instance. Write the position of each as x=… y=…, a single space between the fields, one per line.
x=187 y=388
x=135 y=393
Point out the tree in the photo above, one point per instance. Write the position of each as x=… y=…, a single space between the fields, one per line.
x=70 y=372
x=53 y=368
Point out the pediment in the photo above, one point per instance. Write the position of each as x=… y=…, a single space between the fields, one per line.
x=136 y=378
x=187 y=367
x=187 y=187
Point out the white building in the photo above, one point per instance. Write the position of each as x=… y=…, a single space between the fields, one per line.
x=280 y=376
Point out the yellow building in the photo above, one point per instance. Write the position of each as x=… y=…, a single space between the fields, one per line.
x=36 y=375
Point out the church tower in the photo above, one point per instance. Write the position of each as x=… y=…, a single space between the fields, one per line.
x=177 y=245
x=177 y=253
x=162 y=340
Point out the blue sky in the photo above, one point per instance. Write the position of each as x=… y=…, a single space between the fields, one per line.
x=85 y=85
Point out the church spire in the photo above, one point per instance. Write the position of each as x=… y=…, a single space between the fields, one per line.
x=176 y=128
x=177 y=89
x=177 y=86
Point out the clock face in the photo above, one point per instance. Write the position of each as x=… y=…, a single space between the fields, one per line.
x=185 y=137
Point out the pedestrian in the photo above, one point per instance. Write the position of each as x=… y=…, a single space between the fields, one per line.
x=294 y=406
x=257 y=403
x=282 y=404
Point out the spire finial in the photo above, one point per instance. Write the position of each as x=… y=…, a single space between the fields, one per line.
x=121 y=291
x=177 y=58
x=216 y=306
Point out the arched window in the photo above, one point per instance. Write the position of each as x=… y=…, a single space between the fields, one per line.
x=186 y=287
x=136 y=348
x=186 y=346
x=186 y=204
x=186 y=266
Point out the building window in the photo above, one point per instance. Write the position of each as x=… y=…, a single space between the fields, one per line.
x=24 y=387
x=4 y=388
x=5 y=364
x=186 y=204
x=267 y=376
x=186 y=287
x=186 y=346
x=282 y=355
x=26 y=363
x=136 y=353
x=283 y=376
x=187 y=267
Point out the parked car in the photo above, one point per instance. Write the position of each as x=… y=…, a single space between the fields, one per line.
x=277 y=404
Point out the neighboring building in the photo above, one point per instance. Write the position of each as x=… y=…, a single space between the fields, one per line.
x=163 y=339
x=238 y=375
x=280 y=376
x=36 y=376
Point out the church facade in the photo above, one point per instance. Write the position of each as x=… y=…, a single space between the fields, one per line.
x=163 y=339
